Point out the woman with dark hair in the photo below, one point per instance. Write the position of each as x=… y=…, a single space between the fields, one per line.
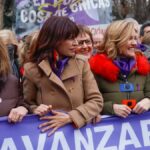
x=10 y=94
x=57 y=81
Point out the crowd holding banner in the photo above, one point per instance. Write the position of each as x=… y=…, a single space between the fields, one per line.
x=111 y=133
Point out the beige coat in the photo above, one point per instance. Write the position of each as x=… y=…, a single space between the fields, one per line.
x=76 y=93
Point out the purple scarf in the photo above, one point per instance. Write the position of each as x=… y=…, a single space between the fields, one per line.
x=125 y=64
x=59 y=66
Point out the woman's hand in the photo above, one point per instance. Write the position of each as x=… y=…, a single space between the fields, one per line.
x=17 y=114
x=54 y=122
x=96 y=119
x=142 y=106
x=42 y=109
x=121 y=110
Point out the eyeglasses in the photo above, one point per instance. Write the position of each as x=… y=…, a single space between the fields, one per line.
x=82 y=42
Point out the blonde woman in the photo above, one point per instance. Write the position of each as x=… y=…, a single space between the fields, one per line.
x=9 y=39
x=122 y=73
x=10 y=97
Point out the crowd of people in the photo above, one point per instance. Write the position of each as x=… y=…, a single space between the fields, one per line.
x=64 y=70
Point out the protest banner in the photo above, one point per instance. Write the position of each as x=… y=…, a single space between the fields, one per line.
x=31 y=14
x=111 y=133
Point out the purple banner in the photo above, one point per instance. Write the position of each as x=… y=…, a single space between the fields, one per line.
x=31 y=14
x=111 y=133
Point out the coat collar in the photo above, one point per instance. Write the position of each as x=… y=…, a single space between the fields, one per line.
x=104 y=66
x=70 y=71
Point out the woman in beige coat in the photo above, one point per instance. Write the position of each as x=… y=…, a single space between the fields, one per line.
x=57 y=81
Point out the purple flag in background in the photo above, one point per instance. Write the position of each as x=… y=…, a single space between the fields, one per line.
x=31 y=14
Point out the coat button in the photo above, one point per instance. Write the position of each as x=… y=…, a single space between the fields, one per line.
x=71 y=89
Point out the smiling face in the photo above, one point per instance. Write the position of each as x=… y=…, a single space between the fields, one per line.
x=129 y=47
x=84 y=45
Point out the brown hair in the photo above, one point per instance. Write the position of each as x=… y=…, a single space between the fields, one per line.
x=146 y=39
x=55 y=30
x=84 y=29
x=29 y=43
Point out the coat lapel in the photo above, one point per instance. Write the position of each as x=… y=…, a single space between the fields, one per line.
x=44 y=65
x=71 y=70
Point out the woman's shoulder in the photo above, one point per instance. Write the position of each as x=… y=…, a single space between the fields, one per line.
x=30 y=66
x=12 y=78
x=12 y=82
x=31 y=70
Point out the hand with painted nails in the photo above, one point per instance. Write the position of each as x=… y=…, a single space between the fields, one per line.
x=42 y=109
x=54 y=122
x=17 y=114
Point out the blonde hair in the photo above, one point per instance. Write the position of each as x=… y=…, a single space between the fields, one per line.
x=116 y=35
x=8 y=37
x=5 y=68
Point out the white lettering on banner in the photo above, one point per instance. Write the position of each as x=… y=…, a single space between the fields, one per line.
x=32 y=16
x=27 y=142
x=41 y=16
x=24 y=15
x=85 y=140
x=94 y=5
x=127 y=128
x=108 y=132
x=8 y=144
x=104 y=3
x=59 y=137
x=85 y=5
x=42 y=139
x=74 y=7
x=41 y=142
x=107 y=3
x=38 y=2
x=42 y=9
x=145 y=131
x=62 y=12
x=88 y=4
x=81 y=141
